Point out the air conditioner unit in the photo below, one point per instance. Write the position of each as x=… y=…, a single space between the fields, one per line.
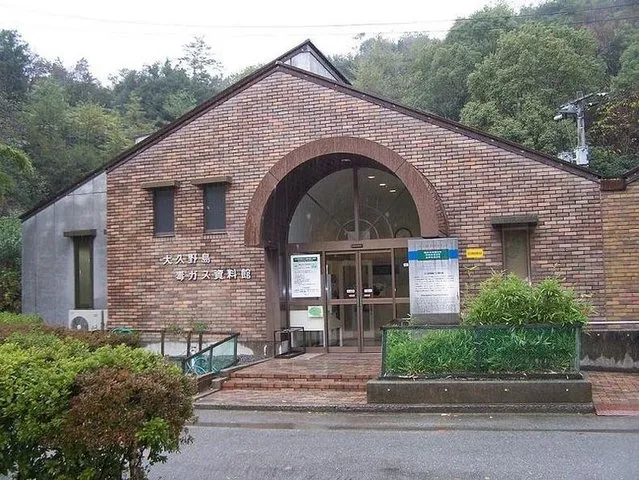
x=87 y=319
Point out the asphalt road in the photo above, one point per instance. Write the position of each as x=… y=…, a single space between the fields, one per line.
x=340 y=446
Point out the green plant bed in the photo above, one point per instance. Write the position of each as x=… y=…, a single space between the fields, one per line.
x=489 y=351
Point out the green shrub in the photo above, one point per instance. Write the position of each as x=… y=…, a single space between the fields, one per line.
x=509 y=300
x=10 y=318
x=530 y=350
x=546 y=345
x=57 y=392
x=417 y=352
x=14 y=323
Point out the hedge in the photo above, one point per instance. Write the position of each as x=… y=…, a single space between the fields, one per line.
x=71 y=408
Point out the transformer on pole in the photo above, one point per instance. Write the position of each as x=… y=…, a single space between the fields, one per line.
x=577 y=109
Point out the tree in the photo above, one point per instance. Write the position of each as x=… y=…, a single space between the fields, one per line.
x=383 y=67
x=16 y=157
x=628 y=77
x=10 y=254
x=483 y=29
x=203 y=68
x=439 y=79
x=614 y=135
x=535 y=69
x=15 y=59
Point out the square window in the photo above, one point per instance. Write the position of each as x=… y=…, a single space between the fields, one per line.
x=163 y=214
x=214 y=206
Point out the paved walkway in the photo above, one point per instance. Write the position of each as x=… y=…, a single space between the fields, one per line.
x=613 y=393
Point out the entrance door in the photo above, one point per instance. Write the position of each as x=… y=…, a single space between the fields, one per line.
x=359 y=298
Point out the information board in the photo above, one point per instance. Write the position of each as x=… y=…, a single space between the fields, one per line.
x=306 y=277
x=433 y=269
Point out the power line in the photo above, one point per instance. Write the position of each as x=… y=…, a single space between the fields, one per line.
x=300 y=31
x=320 y=26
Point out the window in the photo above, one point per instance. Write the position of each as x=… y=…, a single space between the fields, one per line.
x=163 y=214
x=83 y=266
x=214 y=206
x=516 y=251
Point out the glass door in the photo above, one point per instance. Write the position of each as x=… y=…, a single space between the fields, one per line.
x=360 y=298
x=342 y=280
x=376 y=292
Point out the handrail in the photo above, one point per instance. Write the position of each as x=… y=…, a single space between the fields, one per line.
x=198 y=364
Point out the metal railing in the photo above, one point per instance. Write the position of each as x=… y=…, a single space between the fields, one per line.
x=214 y=358
x=437 y=351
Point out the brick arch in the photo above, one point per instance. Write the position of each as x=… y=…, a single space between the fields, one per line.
x=432 y=217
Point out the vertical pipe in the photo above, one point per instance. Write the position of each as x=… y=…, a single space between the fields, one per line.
x=162 y=332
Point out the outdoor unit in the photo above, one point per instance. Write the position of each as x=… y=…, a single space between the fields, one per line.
x=87 y=319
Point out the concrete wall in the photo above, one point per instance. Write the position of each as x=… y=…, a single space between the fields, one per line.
x=48 y=284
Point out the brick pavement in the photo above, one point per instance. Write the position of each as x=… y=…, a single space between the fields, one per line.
x=615 y=393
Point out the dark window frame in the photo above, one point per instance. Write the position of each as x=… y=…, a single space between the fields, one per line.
x=158 y=210
x=214 y=193
x=79 y=275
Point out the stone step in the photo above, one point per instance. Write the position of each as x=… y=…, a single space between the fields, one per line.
x=294 y=383
x=314 y=376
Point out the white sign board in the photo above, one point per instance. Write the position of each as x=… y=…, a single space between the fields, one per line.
x=306 y=276
x=433 y=269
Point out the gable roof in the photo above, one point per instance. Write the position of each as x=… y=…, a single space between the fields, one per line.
x=308 y=47
x=343 y=86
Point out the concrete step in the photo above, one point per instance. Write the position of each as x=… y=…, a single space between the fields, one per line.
x=251 y=383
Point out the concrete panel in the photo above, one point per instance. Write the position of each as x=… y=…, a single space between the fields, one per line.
x=84 y=189
x=307 y=61
x=611 y=350
x=48 y=269
x=99 y=251
x=100 y=184
x=479 y=391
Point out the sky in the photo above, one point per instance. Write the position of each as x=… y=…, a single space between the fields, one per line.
x=118 y=34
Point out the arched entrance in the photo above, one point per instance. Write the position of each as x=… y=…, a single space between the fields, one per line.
x=335 y=229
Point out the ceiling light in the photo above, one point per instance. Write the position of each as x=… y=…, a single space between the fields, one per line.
x=371 y=176
x=382 y=184
x=392 y=190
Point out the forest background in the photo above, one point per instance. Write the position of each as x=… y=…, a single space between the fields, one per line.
x=498 y=70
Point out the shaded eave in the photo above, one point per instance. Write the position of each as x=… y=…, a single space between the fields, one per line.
x=631 y=175
x=278 y=66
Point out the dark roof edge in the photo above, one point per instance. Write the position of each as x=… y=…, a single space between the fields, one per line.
x=318 y=54
x=631 y=175
x=450 y=125
x=58 y=195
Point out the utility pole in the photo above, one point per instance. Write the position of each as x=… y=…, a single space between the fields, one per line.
x=577 y=109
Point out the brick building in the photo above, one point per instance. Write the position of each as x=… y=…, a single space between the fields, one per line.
x=209 y=220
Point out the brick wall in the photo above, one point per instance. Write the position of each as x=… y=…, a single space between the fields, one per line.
x=246 y=135
x=621 y=244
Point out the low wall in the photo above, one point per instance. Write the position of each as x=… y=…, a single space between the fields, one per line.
x=610 y=350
